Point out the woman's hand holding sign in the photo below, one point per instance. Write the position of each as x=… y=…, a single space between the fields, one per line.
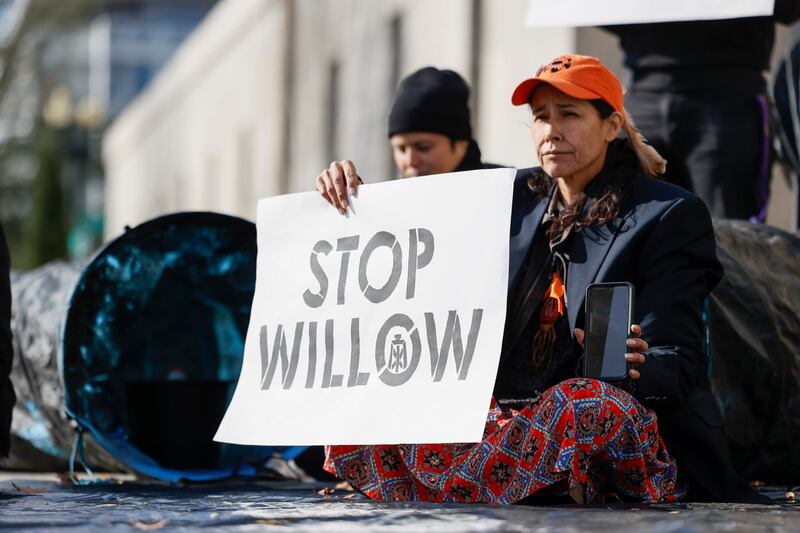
x=337 y=182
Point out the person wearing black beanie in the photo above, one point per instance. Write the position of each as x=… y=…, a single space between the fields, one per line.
x=434 y=101
x=430 y=132
x=429 y=125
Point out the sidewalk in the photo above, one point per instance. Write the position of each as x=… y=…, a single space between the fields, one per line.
x=38 y=502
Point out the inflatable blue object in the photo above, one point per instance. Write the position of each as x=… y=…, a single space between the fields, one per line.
x=153 y=343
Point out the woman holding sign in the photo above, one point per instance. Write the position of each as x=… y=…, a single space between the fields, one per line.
x=591 y=213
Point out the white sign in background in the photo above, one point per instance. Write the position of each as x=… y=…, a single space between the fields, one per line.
x=389 y=322
x=546 y=13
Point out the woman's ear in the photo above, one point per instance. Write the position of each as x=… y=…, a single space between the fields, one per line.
x=613 y=126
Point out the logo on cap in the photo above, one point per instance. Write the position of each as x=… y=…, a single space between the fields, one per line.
x=558 y=64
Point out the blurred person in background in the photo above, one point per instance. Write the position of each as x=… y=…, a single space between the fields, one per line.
x=699 y=96
x=430 y=132
x=7 y=397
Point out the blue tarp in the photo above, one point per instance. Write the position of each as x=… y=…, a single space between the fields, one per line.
x=153 y=343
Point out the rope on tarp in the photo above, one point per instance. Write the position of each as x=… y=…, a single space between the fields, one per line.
x=78 y=452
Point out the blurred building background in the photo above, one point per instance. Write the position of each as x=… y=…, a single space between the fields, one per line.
x=267 y=92
x=68 y=68
x=116 y=111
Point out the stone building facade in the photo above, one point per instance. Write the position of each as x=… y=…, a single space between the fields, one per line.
x=265 y=93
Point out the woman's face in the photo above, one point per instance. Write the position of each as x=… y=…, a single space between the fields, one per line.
x=569 y=136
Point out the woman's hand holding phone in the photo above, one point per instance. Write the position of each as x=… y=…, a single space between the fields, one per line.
x=635 y=343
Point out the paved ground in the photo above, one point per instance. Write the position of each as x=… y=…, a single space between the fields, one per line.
x=45 y=503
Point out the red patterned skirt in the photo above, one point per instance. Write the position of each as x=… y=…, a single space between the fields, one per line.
x=579 y=432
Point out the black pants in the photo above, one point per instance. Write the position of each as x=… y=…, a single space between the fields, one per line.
x=716 y=145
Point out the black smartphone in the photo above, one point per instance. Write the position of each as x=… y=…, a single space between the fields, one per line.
x=609 y=315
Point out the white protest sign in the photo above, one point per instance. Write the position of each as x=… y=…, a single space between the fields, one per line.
x=381 y=327
x=545 y=13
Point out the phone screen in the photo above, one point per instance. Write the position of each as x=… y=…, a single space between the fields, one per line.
x=607 y=316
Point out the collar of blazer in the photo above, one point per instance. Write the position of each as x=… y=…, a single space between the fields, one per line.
x=588 y=251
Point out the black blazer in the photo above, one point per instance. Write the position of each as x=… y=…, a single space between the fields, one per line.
x=662 y=243
x=6 y=352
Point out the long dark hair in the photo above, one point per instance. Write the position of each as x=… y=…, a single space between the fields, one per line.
x=608 y=191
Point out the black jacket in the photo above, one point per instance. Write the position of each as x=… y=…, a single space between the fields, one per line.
x=662 y=243
x=722 y=55
x=7 y=397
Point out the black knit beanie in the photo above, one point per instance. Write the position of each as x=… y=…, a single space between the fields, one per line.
x=432 y=100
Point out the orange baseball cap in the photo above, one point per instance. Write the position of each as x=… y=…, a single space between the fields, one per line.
x=583 y=77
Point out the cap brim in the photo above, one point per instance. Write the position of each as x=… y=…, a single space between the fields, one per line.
x=522 y=94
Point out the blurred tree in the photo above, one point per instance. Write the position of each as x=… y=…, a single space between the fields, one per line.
x=46 y=229
x=57 y=61
x=27 y=28
x=28 y=18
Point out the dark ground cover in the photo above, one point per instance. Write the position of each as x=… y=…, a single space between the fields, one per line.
x=36 y=505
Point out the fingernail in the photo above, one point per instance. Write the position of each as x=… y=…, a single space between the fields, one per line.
x=631 y=343
x=351 y=191
x=629 y=357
